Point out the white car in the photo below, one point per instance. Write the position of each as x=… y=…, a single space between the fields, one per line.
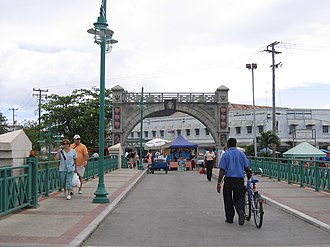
x=200 y=160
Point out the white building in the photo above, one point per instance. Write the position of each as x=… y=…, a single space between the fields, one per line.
x=293 y=126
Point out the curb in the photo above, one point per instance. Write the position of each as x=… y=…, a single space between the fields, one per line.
x=293 y=212
x=81 y=238
x=296 y=213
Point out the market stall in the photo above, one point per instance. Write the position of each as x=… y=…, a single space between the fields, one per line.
x=181 y=153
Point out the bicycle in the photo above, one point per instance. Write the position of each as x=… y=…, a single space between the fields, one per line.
x=253 y=201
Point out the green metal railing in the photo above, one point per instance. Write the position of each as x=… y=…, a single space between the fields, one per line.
x=21 y=186
x=307 y=173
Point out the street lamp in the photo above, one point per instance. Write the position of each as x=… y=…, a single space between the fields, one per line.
x=252 y=67
x=140 y=167
x=102 y=37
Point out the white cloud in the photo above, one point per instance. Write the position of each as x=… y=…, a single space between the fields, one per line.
x=168 y=46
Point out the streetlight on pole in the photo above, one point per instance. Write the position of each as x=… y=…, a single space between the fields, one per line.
x=252 y=67
x=140 y=167
x=102 y=37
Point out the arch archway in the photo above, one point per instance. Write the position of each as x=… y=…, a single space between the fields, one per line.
x=211 y=109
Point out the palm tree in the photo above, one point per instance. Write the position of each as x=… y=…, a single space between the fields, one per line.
x=267 y=139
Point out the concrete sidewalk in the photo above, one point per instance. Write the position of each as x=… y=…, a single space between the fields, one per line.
x=61 y=222
x=313 y=207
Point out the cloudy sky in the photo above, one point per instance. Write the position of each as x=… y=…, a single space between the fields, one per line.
x=166 y=46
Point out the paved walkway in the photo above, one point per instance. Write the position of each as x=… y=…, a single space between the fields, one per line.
x=58 y=222
x=305 y=203
x=61 y=222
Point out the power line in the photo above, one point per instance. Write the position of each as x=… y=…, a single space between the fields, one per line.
x=274 y=66
x=13 y=109
x=40 y=97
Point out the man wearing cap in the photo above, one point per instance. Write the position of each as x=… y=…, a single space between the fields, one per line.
x=82 y=157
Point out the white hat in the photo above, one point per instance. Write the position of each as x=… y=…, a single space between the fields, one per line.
x=76 y=137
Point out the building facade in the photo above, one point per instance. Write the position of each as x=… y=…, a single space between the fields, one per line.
x=293 y=126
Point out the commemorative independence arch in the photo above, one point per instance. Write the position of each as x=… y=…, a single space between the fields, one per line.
x=211 y=109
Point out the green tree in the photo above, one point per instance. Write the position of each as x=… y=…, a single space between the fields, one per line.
x=249 y=150
x=3 y=124
x=31 y=129
x=77 y=113
x=267 y=139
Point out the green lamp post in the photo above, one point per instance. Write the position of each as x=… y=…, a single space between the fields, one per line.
x=102 y=37
x=140 y=167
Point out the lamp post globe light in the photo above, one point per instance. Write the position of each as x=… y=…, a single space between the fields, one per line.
x=252 y=67
x=103 y=37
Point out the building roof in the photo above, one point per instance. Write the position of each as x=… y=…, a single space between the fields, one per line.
x=304 y=150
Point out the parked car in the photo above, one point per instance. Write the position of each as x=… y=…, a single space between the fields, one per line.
x=200 y=160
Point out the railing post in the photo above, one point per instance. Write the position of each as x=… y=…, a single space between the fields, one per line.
x=33 y=178
x=317 y=176
x=278 y=170
x=301 y=167
x=289 y=172
x=47 y=178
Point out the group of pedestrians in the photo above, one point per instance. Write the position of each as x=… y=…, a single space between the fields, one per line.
x=233 y=165
x=73 y=159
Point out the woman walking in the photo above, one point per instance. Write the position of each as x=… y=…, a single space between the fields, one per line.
x=67 y=167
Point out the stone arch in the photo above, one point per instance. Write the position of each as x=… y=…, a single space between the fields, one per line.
x=209 y=108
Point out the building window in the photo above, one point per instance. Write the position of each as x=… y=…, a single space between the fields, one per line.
x=178 y=132
x=238 y=130
x=325 y=129
x=187 y=132
x=197 y=132
x=309 y=127
x=146 y=134
x=132 y=134
x=153 y=133
x=162 y=133
x=138 y=133
x=207 y=132
x=292 y=129
x=249 y=129
x=261 y=129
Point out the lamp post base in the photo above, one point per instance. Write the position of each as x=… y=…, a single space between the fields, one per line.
x=140 y=167
x=101 y=195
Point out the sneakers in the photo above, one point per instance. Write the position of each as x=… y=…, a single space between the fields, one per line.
x=64 y=194
x=229 y=221
x=68 y=197
x=241 y=217
x=79 y=192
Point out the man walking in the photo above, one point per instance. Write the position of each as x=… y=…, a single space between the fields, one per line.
x=232 y=165
x=82 y=157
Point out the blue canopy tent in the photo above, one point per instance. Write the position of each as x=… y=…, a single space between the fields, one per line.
x=181 y=142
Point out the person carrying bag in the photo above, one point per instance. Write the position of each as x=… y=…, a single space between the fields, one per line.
x=67 y=168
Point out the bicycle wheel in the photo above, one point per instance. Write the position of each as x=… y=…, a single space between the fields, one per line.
x=247 y=208
x=258 y=212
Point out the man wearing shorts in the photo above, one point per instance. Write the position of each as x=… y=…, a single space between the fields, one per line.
x=82 y=157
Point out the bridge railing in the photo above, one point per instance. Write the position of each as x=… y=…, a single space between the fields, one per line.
x=130 y=97
x=21 y=186
x=307 y=173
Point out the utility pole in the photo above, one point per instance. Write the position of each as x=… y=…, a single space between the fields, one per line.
x=271 y=48
x=13 y=109
x=40 y=96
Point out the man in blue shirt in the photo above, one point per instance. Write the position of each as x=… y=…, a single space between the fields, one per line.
x=232 y=165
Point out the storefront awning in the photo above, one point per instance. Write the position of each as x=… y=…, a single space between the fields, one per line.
x=309 y=122
x=293 y=122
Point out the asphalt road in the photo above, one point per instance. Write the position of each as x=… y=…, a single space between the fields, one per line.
x=184 y=209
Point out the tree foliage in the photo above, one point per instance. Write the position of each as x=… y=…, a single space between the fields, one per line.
x=77 y=113
x=31 y=129
x=3 y=124
x=267 y=139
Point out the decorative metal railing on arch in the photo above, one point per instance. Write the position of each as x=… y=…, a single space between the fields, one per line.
x=307 y=173
x=21 y=186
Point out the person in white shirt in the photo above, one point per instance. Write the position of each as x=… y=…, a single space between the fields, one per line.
x=209 y=161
